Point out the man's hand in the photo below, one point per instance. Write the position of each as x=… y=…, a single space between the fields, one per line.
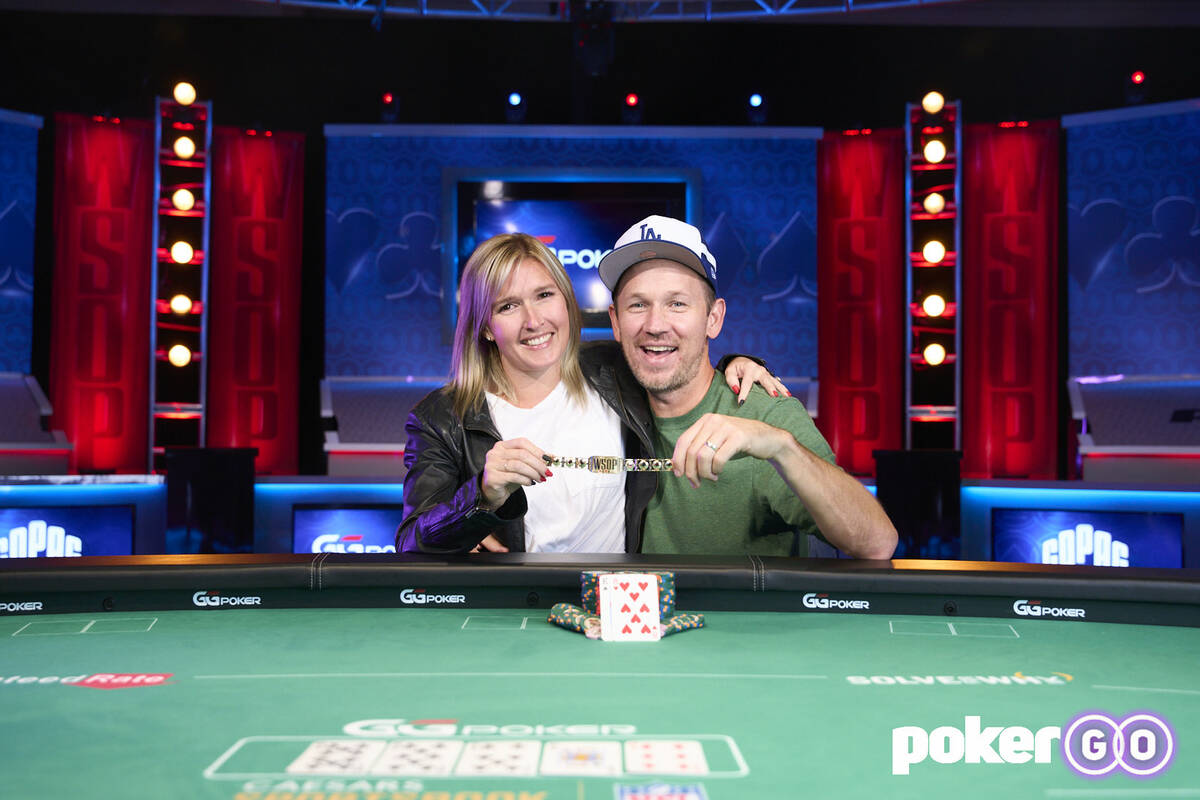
x=508 y=466
x=702 y=451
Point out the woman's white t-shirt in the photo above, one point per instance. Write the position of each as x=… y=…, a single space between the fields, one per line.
x=575 y=511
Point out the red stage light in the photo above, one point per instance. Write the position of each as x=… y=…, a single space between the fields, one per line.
x=388 y=98
x=1138 y=77
x=933 y=129
x=631 y=99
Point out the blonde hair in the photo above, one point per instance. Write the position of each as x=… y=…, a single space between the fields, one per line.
x=475 y=361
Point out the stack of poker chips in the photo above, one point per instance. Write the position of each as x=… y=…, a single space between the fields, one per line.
x=586 y=620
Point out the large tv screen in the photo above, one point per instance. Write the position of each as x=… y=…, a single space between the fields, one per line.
x=578 y=220
x=1096 y=538
x=345 y=528
x=66 y=531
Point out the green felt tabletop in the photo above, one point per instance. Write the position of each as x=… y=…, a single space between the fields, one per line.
x=225 y=703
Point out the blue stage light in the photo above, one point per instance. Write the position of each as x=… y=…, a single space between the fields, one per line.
x=756 y=100
x=514 y=99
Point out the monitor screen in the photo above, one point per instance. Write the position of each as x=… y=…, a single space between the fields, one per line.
x=1095 y=538
x=66 y=531
x=345 y=528
x=578 y=220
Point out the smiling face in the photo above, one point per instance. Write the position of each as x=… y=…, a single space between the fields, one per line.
x=662 y=318
x=529 y=324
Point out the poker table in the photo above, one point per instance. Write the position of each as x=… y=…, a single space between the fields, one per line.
x=356 y=677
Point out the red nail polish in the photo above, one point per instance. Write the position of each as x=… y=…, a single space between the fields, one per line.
x=549 y=474
x=774 y=393
x=737 y=388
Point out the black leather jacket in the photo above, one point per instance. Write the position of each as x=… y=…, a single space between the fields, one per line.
x=445 y=456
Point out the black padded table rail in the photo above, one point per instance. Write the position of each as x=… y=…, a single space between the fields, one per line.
x=940 y=588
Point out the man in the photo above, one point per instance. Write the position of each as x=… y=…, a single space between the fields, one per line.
x=756 y=472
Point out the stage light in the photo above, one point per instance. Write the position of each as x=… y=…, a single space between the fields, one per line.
x=756 y=109
x=514 y=110
x=934 y=354
x=933 y=102
x=185 y=93
x=181 y=304
x=934 y=251
x=184 y=147
x=182 y=252
x=389 y=109
x=934 y=203
x=179 y=356
x=934 y=305
x=1138 y=77
x=935 y=151
x=183 y=200
x=631 y=112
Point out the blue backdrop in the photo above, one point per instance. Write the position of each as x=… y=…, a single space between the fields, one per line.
x=1133 y=234
x=385 y=232
x=18 y=190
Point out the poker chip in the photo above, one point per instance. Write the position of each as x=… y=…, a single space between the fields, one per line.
x=586 y=619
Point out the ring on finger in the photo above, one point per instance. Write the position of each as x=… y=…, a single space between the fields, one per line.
x=713 y=446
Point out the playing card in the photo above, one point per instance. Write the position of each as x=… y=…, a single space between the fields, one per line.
x=629 y=607
x=581 y=758
x=418 y=757
x=499 y=757
x=665 y=757
x=337 y=757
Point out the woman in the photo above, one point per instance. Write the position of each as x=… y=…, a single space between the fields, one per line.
x=478 y=476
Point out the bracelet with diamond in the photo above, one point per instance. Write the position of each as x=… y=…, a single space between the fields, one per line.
x=609 y=465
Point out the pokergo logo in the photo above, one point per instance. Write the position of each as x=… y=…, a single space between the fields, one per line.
x=824 y=601
x=1083 y=544
x=349 y=543
x=38 y=539
x=1094 y=744
x=418 y=598
x=206 y=599
x=1034 y=608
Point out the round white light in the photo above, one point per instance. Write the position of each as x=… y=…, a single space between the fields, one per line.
x=934 y=305
x=935 y=151
x=183 y=200
x=934 y=251
x=185 y=147
x=934 y=203
x=185 y=93
x=181 y=304
x=934 y=354
x=182 y=252
x=933 y=102
x=179 y=356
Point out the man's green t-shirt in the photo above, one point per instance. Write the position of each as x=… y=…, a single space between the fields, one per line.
x=750 y=508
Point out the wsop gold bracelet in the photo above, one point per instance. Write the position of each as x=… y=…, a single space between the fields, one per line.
x=609 y=465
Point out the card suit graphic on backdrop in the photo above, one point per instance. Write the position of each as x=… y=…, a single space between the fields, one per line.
x=1157 y=259
x=16 y=252
x=729 y=251
x=787 y=266
x=351 y=235
x=415 y=262
x=1092 y=237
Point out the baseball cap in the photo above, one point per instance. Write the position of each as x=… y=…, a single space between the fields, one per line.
x=658 y=237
